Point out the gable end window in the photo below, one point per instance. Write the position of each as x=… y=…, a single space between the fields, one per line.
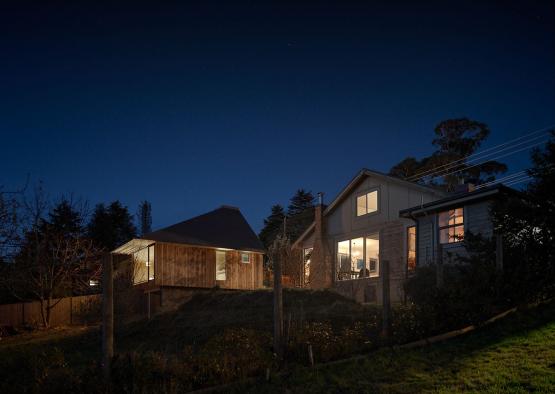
x=367 y=203
x=245 y=258
x=451 y=226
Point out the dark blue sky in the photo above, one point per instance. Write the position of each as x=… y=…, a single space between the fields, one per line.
x=194 y=107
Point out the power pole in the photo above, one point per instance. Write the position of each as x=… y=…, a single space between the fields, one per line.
x=107 y=314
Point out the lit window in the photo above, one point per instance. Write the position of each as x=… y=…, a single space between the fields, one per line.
x=411 y=248
x=245 y=258
x=358 y=258
x=220 y=265
x=143 y=263
x=367 y=203
x=307 y=255
x=451 y=226
x=93 y=282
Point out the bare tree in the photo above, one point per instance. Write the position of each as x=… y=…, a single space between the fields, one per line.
x=52 y=263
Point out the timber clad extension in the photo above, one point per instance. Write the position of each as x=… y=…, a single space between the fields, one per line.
x=218 y=248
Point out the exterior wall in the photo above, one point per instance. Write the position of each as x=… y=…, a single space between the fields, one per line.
x=342 y=223
x=190 y=266
x=477 y=220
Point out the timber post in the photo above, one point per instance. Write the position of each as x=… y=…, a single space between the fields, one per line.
x=107 y=314
x=386 y=300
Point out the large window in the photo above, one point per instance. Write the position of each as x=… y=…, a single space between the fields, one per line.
x=451 y=226
x=143 y=265
x=220 y=265
x=411 y=248
x=358 y=257
x=367 y=203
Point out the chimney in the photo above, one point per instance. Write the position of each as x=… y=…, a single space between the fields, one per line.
x=465 y=188
x=318 y=215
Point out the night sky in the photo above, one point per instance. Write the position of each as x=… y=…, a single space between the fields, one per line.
x=191 y=108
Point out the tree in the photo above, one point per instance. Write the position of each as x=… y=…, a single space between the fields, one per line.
x=273 y=224
x=300 y=213
x=9 y=224
x=455 y=140
x=527 y=223
x=55 y=259
x=111 y=226
x=144 y=216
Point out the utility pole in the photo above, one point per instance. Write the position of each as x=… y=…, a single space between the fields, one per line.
x=107 y=314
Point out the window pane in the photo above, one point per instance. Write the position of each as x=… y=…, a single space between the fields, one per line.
x=457 y=233
x=372 y=204
x=373 y=254
x=411 y=248
x=459 y=217
x=361 y=205
x=245 y=258
x=150 y=262
x=307 y=254
x=343 y=260
x=444 y=235
x=357 y=258
x=443 y=219
x=220 y=265
x=140 y=266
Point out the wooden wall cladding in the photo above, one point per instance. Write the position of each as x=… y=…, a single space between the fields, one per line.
x=190 y=266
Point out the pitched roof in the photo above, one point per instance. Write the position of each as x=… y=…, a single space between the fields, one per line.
x=224 y=227
x=356 y=180
x=459 y=198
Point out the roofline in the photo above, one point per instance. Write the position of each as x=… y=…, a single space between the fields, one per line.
x=366 y=172
x=304 y=234
x=474 y=195
x=121 y=249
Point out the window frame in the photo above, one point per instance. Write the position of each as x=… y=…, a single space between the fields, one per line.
x=407 y=232
x=248 y=258
x=220 y=252
x=366 y=261
x=441 y=228
x=365 y=195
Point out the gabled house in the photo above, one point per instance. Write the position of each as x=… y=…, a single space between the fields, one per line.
x=345 y=245
x=218 y=248
x=440 y=225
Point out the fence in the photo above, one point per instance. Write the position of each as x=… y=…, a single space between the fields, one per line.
x=70 y=310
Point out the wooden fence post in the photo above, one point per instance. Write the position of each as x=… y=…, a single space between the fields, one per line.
x=386 y=300
x=278 y=307
x=107 y=314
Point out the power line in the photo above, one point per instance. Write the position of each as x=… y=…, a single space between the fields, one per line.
x=475 y=156
x=498 y=157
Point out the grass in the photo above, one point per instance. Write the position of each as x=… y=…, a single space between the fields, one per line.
x=516 y=355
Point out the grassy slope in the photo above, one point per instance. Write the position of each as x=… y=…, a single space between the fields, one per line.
x=516 y=355
x=204 y=316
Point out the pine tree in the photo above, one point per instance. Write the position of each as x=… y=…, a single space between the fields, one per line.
x=300 y=213
x=273 y=224
x=111 y=226
x=144 y=216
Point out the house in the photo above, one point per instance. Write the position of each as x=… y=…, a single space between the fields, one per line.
x=349 y=239
x=440 y=225
x=218 y=248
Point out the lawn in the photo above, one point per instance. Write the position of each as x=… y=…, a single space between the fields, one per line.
x=515 y=355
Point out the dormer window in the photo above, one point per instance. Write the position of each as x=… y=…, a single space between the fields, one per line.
x=367 y=203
